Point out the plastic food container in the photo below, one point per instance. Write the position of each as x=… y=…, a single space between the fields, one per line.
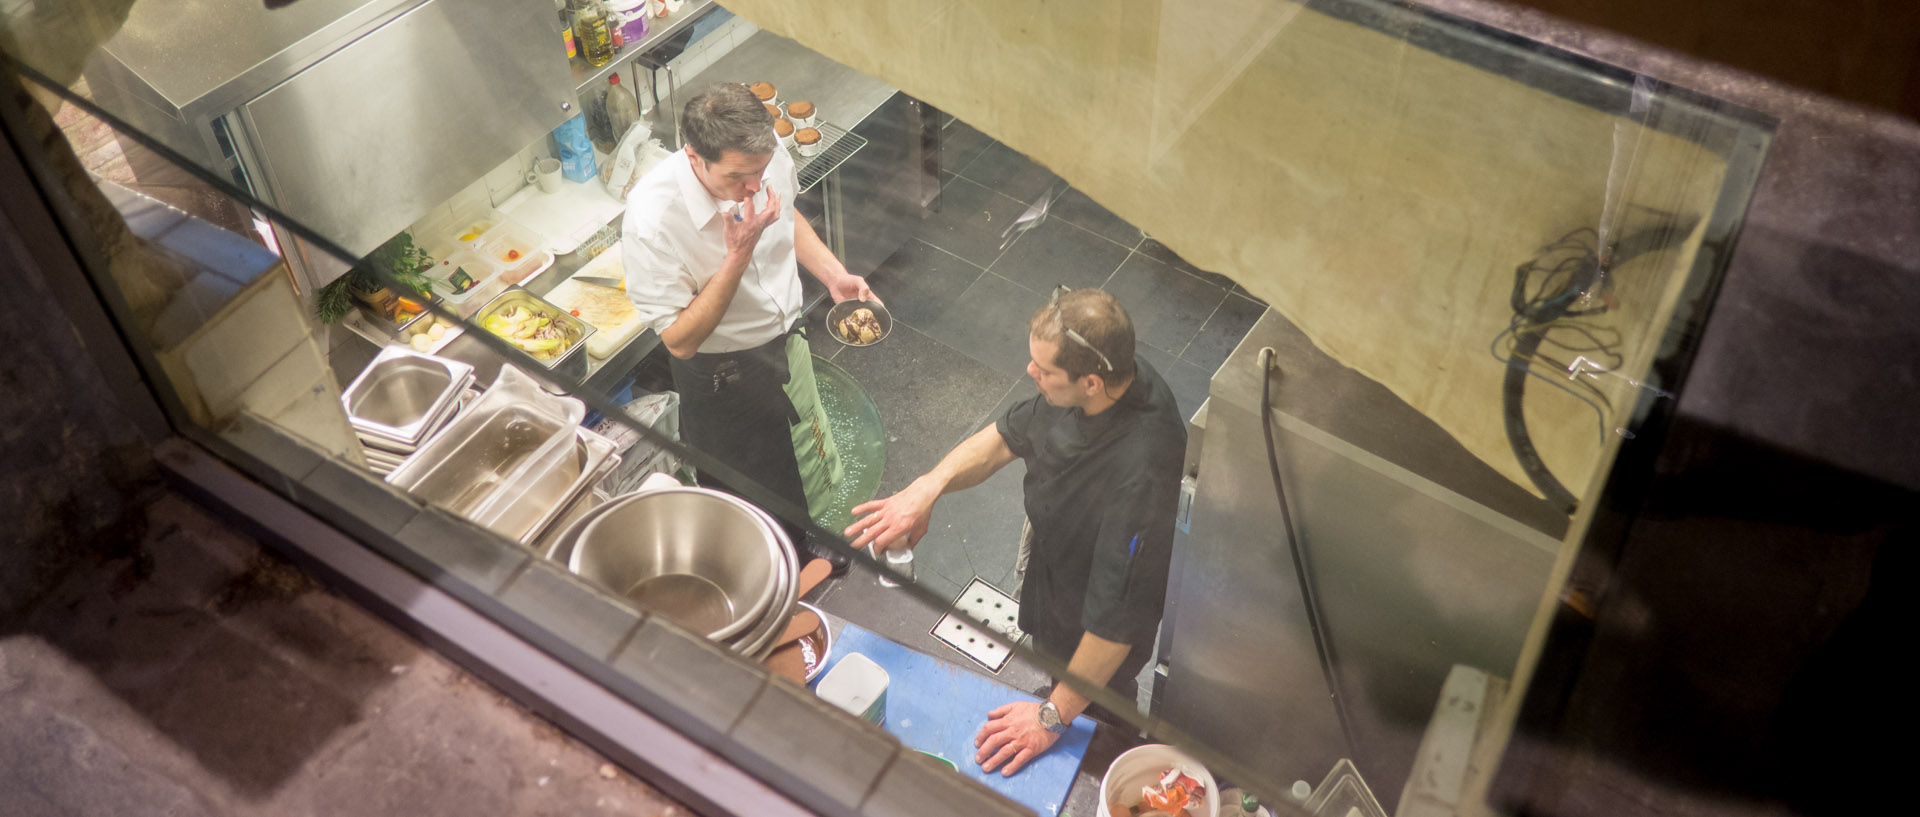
x=473 y=231
x=464 y=275
x=857 y=685
x=515 y=251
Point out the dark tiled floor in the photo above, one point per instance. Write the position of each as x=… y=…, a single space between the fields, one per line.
x=1006 y=170
x=1223 y=331
x=921 y=281
x=970 y=221
x=988 y=322
x=930 y=396
x=1074 y=206
x=1188 y=382
x=960 y=144
x=958 y=355
x=1057 y=252
x=1168 y=306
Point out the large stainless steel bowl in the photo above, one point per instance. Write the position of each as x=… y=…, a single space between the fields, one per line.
x=757 y=641
x=699 y=557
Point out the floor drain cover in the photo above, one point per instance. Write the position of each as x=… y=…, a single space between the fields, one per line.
x=981 y=606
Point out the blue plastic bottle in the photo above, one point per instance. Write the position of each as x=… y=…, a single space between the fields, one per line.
x=576 y=150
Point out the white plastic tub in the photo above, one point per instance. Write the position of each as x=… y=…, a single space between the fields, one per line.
x=1142 y=766
x=515 y=250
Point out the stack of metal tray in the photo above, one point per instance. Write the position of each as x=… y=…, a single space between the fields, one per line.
x=401 y=400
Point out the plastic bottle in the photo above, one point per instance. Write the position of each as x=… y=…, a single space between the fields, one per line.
x=623 y=108
x=899 y=563
x=593 y=32
x=1239 y=803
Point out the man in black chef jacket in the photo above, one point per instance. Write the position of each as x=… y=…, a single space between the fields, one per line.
x=1103 y=442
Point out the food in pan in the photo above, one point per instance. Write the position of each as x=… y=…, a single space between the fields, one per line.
x=862 y=327
x=534 y=330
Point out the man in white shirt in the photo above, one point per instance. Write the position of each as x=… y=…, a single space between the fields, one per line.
x=712 y=250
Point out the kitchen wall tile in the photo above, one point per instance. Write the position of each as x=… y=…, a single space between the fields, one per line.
x=800 y=744
x=471 y=203
x=509 y=177
x=436 y=224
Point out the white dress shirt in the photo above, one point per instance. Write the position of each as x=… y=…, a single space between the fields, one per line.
x=672 y=242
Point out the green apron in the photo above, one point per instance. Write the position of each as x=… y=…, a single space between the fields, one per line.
x=820 y=469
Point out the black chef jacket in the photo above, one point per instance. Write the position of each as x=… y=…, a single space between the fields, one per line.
x=1100 y=493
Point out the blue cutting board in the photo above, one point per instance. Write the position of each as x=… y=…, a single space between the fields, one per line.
x=937 y=707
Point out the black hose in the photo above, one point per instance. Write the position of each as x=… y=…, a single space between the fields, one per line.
x=1300 y=570
x=1513 y=390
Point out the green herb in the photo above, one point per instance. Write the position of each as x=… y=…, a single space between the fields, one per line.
x=397 y=263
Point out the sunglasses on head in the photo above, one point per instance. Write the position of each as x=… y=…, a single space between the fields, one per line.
x=1060 y=323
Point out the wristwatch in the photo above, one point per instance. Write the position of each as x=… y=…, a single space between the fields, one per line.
x=1050 y=718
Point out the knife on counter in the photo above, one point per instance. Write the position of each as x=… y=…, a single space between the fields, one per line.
x=602 y=280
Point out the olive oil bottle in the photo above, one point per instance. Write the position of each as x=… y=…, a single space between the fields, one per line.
x=593 y=32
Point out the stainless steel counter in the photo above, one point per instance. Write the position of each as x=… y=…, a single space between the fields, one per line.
x=842 y=95
x=585 y=75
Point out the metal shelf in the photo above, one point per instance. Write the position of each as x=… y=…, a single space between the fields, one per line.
x=840 y=145
x=586 y=76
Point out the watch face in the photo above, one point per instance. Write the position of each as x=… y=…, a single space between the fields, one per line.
x=1050 y=716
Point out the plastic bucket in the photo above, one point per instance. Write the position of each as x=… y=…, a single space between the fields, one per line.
x=1143 y=766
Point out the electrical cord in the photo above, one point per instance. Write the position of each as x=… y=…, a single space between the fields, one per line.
x=1567 y=270
x=1300 y=569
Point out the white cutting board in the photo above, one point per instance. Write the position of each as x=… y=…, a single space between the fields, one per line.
x=566 y=218
x=606 y=308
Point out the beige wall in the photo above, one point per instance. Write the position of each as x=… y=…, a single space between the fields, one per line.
x=1377 y=194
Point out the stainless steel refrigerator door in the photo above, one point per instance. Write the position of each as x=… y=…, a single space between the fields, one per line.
x=1412 y=579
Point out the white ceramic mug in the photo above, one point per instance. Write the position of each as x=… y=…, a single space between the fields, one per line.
x=546 y=173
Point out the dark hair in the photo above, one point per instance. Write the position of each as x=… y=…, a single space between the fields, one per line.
x=1101 y=321
x=726 y=116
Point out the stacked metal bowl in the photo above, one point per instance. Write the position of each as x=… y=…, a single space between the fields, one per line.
x=400 y=400
x=707 y=561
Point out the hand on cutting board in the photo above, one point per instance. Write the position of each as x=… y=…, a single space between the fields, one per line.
x=896 y=522
x=1011 y=737
x=743 y=228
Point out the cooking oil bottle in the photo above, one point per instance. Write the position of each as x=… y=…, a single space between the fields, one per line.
x=593 y=32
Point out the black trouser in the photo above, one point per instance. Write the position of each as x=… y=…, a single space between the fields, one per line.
x=734 y=407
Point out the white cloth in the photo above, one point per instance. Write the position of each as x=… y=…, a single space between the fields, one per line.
x=672 y=241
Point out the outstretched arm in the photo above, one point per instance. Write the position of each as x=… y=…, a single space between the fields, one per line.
x=897 y=522
x=819 y=260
